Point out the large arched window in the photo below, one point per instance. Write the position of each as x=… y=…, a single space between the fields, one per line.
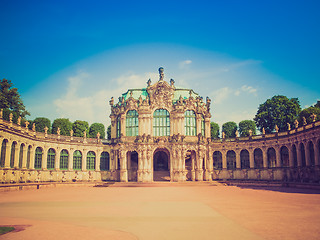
x=38 y=158
x=231 y=160
x=258 y=158
x=284 y=156
x=132 y=123
x=21 y=155
x=51 y=159
x=91 y=160
x=104 y=161
x=272 y=160
x=64 y=159
x=190 y=123
x=311 y=153
x=244 y=159
x=77 y=160
x=3 y=152
x=28 y=157
x=295 y=156
x=303 y=155
x=118 y=127
x=217 y=160
x=161 y=123
x=13 y=153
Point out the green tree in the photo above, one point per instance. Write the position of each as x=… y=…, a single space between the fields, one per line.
x=41 y=123
x=307 y=112
x=245 y=126
x=64 y=124
x=279 y=110
x=317 y=104
x=10 y=99
x=214 y=130
x=229 y=128
x=109 y=132
x=95 y=128
x=79 y=127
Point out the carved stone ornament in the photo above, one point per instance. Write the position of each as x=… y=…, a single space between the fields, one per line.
x=296 y=123
x=276 y=128
x=313 y=117
x=304 y=121
x=289 y=126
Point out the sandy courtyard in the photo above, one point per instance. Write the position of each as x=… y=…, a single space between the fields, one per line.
x=169 y=212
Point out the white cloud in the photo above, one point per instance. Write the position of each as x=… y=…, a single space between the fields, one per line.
x=224 y=93
x=249 y=89
x=185 y=63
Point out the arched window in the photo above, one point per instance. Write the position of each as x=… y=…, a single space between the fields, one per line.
x=28 y=157
x=311 y=154
x=118 y=127
x=64 y=159
x=13 y=152
x=38 y=158
x=132 y=123
x=271 y=154
x=91 y=160
x=21 y=155
x=231 y=160
x=104 y=161
x=77 y=160
x=284 y=155
x=295 y=157
x=244 y=159
x=217 y=160
x=51 y=158
x=203 y=126
x=3 y=152
x=190 y=123
x=161 y=123
x=258 y=158
x=303 y=155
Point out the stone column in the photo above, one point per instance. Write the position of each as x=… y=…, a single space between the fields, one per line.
x=84 y=160
x=70 y=159
x=98 y=158
x=198 y=123
x=44 y=158
x=307 y=152
x=251 y=158
x=7 y=155
x=207 y=128
x=224 y=159
x=199 y=170
x=24 y=157
x=265 y=157
x=123 y=125
x=238 y=162
x=193 y=173
x=299 y=155
x=290 y=156
x=123 y=167
x=57 y=159
x=278 y=157
x=32 y=155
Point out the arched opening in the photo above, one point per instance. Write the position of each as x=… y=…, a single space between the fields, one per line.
x=104 y=161
x=3 y=152
x=189 y=163
x=21 y=155
x=217 y=160
x=29 y=156
x=64 y=159
x=13 y=153
x=231 y=160
x=258 y=158
x=284 y=155
x=272 y=160
x=161 y=165
x=311 y=154
x=132 y=161
x=244 y=159
x=77 y=160
x=91 y=160
x=132 y=123
x=295 y=157
x=51 y=158
x=303 y=155
x=38 y=158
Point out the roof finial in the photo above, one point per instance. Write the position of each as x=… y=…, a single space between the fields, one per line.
x=161 y=74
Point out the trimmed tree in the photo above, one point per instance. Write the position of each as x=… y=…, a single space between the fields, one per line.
x=245 y=126
x=79 y=127
x=229 y=129
x=64 y=124
x=279 y=110
x=41 y=123
x=95 y=128
x=214 y=130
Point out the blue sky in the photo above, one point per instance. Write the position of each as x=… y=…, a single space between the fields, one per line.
x=68 y=58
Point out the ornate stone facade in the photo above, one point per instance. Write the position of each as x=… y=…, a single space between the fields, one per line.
x=160 y=132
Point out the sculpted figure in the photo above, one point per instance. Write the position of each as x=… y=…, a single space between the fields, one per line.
x=313 y=116
x=296 y=123
x=111 y=101
x=304 y=121
x=276 y=128
x=289 y=127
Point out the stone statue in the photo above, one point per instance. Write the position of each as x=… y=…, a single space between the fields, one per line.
x=131 y=93
x=111 y=101
x=46 y=130
x=34 y=127
x=71 y=132
x=19 y=120
x=208 y=103
x=10 y=117
x=237 y=133
x=223 y=135
x=276 y=128
x=1 y=113
x=296 y=123
x=98 y=135
x=149 y=82
x=289 y=126
x=171 y=82
x=263 y=131
x=58 y=131
x=250 y=132
x=314 y=117
x=84 y=134
x=304 y=121
x=161 y=74
x=27 y=124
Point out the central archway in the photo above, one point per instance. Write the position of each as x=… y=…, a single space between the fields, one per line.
x=161 y=165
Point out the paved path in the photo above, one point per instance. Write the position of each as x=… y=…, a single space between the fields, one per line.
x=169 y=212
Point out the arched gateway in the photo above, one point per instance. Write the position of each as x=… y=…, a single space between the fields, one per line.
x=161 y=165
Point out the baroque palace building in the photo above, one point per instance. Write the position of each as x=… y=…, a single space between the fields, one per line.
x=160 y=132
